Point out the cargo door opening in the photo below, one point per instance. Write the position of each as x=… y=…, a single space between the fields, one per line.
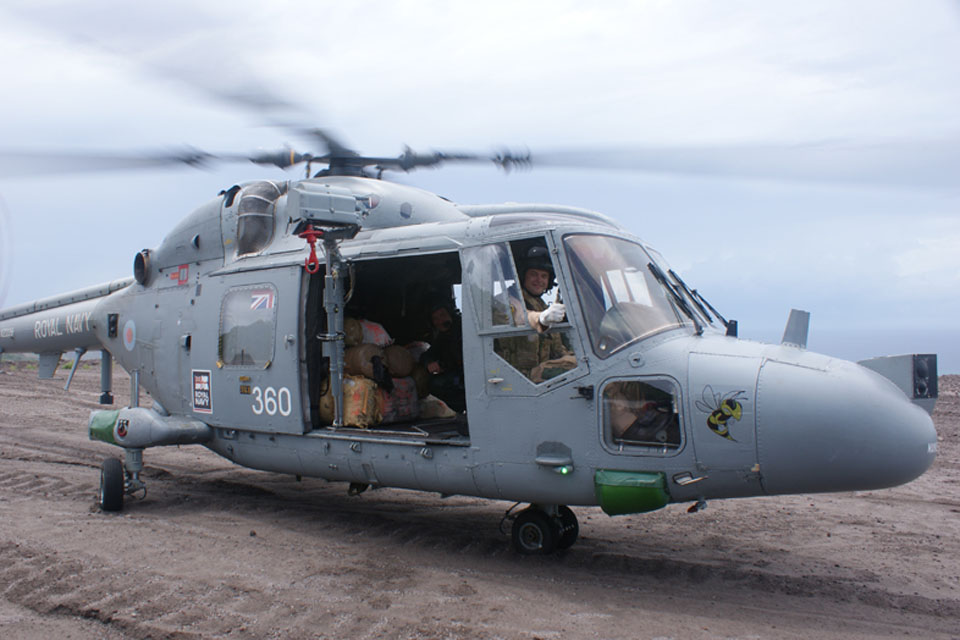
x=403 y=373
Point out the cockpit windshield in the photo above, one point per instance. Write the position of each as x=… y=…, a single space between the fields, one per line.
x=620 y=297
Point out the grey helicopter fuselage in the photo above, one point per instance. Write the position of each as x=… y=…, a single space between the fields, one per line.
x=232 y=338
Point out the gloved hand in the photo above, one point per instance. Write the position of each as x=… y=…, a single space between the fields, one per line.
x=553 y=314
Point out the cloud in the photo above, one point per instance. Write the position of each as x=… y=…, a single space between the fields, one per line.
x=717 y=130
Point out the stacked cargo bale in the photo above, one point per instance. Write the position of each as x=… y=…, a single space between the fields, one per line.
x=361 y=404
x=364 y=367
x=379 y=370
x=402 y=402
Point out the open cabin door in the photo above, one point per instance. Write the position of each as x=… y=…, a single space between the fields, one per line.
x=401 y=314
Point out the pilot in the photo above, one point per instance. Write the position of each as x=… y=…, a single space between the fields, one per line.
x=444 y=358
x=545 y=355
x=536 y=278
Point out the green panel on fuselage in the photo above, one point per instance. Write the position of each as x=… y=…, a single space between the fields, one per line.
x=620 y=492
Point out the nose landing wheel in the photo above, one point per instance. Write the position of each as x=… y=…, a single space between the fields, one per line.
x=112 y=478
x=544 y=529
x=118 y=479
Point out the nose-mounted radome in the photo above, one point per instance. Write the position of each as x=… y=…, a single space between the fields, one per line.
x=841 y=427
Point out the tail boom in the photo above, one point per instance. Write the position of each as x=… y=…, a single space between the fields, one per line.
x=57 y=324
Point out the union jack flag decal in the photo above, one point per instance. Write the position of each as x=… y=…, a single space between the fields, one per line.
x=261 y=299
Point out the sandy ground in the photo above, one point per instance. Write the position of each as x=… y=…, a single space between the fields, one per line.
x=217 y=551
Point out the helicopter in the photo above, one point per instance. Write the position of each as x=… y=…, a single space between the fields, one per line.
x=285 y=326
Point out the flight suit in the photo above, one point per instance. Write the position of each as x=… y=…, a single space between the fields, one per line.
x=527 y=353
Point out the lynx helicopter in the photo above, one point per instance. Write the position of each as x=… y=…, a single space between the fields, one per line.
x=237 y=326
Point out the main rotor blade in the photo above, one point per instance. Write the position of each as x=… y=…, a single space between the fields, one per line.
x=904 y=164
x=27 y=163
x=36 y=163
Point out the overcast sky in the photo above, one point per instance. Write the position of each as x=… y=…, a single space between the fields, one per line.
x=806 y=151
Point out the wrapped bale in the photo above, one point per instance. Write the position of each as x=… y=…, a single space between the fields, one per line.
x=422 y=377
x=353 y=333
x=434 y=407
x=417 y=349
x=361 y=403
x=359 y=360
x=374 y=333
x=401 y=404
x=399 y=361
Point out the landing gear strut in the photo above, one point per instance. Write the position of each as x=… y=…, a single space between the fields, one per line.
x=118 y=479
x=544 y=529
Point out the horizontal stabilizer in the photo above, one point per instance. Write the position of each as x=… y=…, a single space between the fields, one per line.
x=915 y=374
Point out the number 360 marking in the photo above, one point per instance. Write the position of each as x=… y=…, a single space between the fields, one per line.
x=271 y=401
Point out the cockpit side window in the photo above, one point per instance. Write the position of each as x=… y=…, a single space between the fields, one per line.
x=641 y=416
x=255 y=215
x=512 y=284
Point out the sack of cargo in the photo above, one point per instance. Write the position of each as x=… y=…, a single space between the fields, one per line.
x=358 y=361
x=434 y=407
x=401 y=404
x=374 y=333
x=417 y=349
x=353 y=333
x=361 y=403
x=399 y=361
x=421 y=376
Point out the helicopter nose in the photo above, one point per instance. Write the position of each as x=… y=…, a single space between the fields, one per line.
x=838 y=427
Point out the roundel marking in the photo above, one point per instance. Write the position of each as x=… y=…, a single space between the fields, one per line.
x=130 y=335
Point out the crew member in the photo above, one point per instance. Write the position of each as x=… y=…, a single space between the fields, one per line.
x=444 y=358
x=537 y=277
x=542 y=356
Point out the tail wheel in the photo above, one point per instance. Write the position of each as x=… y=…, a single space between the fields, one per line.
x=534 y=533
x=112 y=477
x=568 y=529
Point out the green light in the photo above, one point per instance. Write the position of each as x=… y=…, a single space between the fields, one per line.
x=563 y=469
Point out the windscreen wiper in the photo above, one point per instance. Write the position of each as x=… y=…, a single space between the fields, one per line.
x=701 y=302
x=686 y=290
x=731 y=325
x=680 y=301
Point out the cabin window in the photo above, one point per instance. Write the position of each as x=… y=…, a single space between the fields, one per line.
x=641 y=415
x=247 y=326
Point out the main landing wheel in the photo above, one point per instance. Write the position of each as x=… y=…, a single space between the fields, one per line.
x=568 y=529
x=112 y=478
x=534 y=533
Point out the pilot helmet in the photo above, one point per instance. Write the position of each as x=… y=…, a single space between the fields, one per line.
x=537 y=257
